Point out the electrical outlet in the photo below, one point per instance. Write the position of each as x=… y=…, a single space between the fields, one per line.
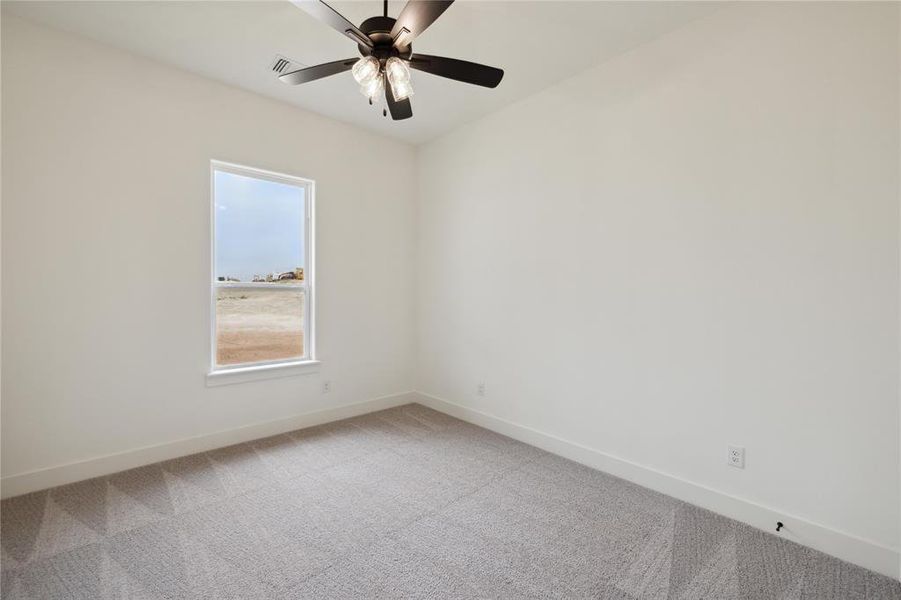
x=326 y=387
x=736 y=457
x=481 y=389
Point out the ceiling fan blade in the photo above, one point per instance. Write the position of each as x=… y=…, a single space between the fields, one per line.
x=416 y=16
x=399 y=109
x=459 y=70
x=317 y=72
x=331 y=17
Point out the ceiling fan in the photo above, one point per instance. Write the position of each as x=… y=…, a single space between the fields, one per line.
x=386 y=47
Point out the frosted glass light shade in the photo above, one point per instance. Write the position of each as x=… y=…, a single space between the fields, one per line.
x=399 y=77
x=401 y=90
x=373 y=88
x=365 y=70
x=397 y=70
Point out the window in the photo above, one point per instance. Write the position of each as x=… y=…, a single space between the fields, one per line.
x=262 y=288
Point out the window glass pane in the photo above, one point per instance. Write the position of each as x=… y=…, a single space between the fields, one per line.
x=254 y=325
x=259 y=229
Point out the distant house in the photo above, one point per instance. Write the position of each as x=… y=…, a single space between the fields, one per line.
x=296 y=274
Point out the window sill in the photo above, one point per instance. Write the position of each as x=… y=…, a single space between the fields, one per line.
x=257 y=373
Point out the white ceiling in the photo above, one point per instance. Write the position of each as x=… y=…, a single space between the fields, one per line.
x=536 y=43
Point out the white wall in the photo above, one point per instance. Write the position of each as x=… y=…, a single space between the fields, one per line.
x=106 y=251
x=692 y=245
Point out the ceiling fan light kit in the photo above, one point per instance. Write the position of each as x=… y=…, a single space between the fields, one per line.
x=386 y=49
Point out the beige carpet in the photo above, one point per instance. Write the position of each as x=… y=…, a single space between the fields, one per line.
x=405 y=503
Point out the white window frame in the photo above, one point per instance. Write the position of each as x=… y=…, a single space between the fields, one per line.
x=221 y=374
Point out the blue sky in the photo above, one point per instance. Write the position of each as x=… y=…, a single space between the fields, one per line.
x=259 y=226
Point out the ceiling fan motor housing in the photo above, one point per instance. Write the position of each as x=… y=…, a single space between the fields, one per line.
x=378 y=29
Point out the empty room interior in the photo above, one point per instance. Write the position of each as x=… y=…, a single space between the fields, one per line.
x=483 y=299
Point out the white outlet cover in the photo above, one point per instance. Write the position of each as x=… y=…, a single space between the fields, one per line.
x=736 y=457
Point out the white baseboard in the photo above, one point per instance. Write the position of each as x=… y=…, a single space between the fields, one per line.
x=853 y=549
x=31 y=481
